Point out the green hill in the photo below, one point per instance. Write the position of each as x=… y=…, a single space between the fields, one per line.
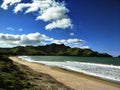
x=52 y=49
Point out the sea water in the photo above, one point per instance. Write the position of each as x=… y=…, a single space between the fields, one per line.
x=102 y=67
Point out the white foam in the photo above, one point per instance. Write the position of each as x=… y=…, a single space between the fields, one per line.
x=26 y=58
x=109 y=72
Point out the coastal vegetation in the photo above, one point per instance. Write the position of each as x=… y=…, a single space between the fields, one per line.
x=14 y=76
x=52 y=49
x=11 y=77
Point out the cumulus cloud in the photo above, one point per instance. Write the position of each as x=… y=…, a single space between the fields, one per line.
x=70 y=42
x=63 y=23
x=50 y=11
x=6 y=3
x=23 y=40
x=53 y=13
x=35 y=39
x=20 y=7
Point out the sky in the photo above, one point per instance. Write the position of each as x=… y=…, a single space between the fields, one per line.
x=93 y=24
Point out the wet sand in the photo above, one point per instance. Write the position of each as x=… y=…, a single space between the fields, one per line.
x=72 y=79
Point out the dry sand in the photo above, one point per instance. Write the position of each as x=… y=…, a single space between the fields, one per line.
x=74 y=80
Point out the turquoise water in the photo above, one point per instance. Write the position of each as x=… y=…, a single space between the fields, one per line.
x=99 y=60
x=101 y=67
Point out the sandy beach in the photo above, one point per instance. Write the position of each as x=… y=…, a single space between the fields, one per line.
x=74 y=80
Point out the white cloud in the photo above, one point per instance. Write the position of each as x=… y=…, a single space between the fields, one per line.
x=75 y=41
x=10 y=28
x=70 y=42
x=23 y=40
x=20 y=29
x=48 y=10
x=20 y=7
x=34 y=39
x=71 y=34
x=6 y=3
x=85 y=47
x=13 y=29
x=53 y=13
x=39 y=5
x=63 y=23
x=9 y=37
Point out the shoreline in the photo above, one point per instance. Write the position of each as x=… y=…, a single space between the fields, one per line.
x=72 y=71
x=75 y=80
x=82 y=74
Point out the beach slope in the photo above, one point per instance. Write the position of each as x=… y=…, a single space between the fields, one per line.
x=74 y=80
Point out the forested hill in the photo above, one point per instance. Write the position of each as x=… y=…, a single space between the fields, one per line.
x=52 y=49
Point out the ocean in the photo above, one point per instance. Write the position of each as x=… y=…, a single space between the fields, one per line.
x=106 y=68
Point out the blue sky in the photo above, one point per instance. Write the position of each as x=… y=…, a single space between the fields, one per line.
x=91 y=24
